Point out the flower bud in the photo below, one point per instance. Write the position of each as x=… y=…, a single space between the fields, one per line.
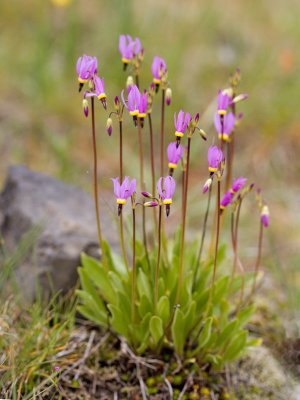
x=240 y=97
x=168 y=96
x=151 y=204
x=265 y=216
x=207 y=185
x=147 y=194
x=202 y=134
x=109 y=124
x=85 y=106
x=130 y=81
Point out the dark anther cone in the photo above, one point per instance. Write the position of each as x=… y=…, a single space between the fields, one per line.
x=142 y=122
x=80 y=87
x=119 y=209
x=171 y=170
x=124 y=66
x=156 y=87
x=177 y=141
x=103 y=101
x=134 y=120
x=168 y=208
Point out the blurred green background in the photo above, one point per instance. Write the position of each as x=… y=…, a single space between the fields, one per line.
x=42 y=123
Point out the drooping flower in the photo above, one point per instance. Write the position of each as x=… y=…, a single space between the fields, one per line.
x=223 y=102
x=129 y=48
x=181 y=122
x=133 y=101
x=86 y=68
x=159 y=69
x=125 y=190
x=226 y=200
x=174 y=154
x=238 y=184
x=265 y=216
x=224 y=125
x=143 y=105
x=166 y=189
x=214 y=157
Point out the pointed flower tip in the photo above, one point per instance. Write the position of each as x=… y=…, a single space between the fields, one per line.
x=151 y=204
x=147 y=195
x=265 y=216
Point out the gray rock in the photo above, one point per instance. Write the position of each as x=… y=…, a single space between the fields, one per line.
x=65 y=217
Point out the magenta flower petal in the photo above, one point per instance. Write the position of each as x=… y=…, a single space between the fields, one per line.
x=214 y=157
x=174 y=154
x=238 y=184
x=265 y=216
x=226 y=200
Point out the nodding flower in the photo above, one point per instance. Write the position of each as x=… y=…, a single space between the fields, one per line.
x=159 y=70
x=224 y=125
x=129 y=48
x=174 y=155
x=238 y=184
x=109 y=127
x=133 y=101
x=223 y=102
x=86 y=68
x=207 y=185
x=99 y=90
x=124 y=191
x=214 y=157
x=166 y=189
x=181 y=123
x=85 y=106
x=265 y=216
x=226 y=200
x=143 y=106
x=168 y=96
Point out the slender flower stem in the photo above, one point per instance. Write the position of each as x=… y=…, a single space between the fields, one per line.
x=152 y=166
x=217 y=240
x=121 y=150
x=195 y=278
x=260 y=239
x=182 y=242
x=96 y=188
x=121 y=180
x=230 y=153
x=137 y=80
x=162 y=133
x=234 y=238
x=234 y=235
x=141 y=154
x=158 y=259
x=133 y=283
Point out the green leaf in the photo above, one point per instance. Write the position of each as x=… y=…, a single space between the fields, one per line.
x=178 y=331
x=90 y=314
x=89 y=288
x=220 y=290
x=144 y=306
x=156 y=329
x=99 y=277
x=235 y=347
x=227 y=333
x=119 y=324
x=163 y=309
x=245 y=314
x=143 y=285
x=189 y=317
x=205 y=333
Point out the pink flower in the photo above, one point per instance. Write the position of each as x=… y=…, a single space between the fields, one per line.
x=214 y=157
x=174 y=154
x=143 y=105
x=226 y=200
x=181 y=123
x=223 y=102
x=129 y=48
x=125 y=190
x=166 y=189
x=224 y=125
x=86 y=68
x=133 y=100
x=159 y=69
x=238 y=184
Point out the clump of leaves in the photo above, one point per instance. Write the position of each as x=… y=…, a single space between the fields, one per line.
x=209 y=328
